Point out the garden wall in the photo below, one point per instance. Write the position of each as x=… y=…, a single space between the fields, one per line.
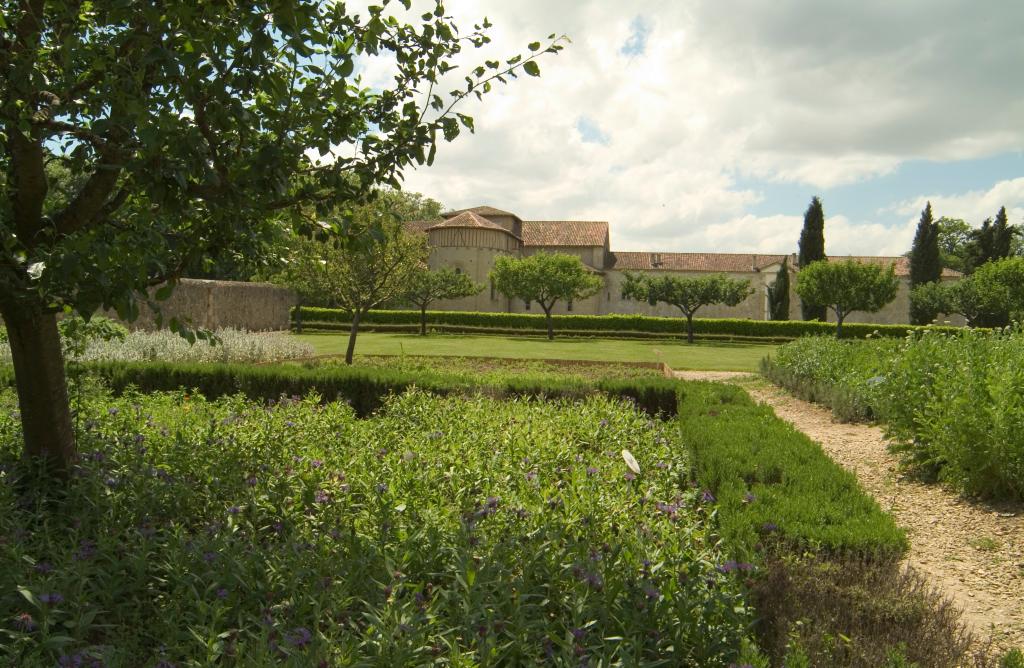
x=213 y=304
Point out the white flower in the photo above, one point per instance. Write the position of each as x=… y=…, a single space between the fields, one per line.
x=35 y=270
x=630 y=460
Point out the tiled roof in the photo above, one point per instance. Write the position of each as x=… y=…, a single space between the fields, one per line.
x=480 y=211
x=728 y=262
x=564 y=233
x=419 y=226
x=902 y=263
x=470 y=220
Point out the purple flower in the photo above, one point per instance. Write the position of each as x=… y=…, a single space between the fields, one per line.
x=603 y=423
x=113 y=411
x=531 y=476
x=651 y=592
x=707 y=497
x=43 y=567
x=591 y=471
x=25 y=623
x=749 y=497
x=316 y=463
x=382 y=487
x=222 y=593
x=251 y=481
x=300 y=637
x=769 y=527
x=209 y=557
x=234 y=510
x=629 y=476
x=86 y=550
x=51 y=598
x=322 y=496
x=164 y=663
x=579 y=634
x=289 y=423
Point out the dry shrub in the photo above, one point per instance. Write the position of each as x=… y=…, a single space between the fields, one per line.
x=850 y=613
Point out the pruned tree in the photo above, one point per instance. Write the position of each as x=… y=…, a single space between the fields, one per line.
x=812 y=249
x=545 y=278
x=183 y=127
x=364 y=273
x=925 y=264
x=686 y=293
x=778 y=294
x=428 y=286
x=847 y=286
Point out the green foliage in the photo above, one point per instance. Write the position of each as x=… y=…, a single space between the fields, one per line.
x=991 y=242
x=367 y=388
x=426 y=287
x=925 y=265
x=686 y=294
x=544 y=278
x=812 y=249
x=602 y=325
x=776 y=489
x=954 y=236
x=987 y=298
x=950 y=402
x=778 y=294
x=847 y=286
x=77 y=334
x=460 y=531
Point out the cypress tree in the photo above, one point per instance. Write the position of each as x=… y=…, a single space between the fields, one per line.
x=925 y=263
x=812 y=249
x=778 y=294
x=1002 y=236
x=981 y=248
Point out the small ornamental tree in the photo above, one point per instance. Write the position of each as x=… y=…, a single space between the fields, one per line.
x=812 y=249
x=778 y=294
x=368 y=271
x=428 y=286
x=182 y=127
x=847 y=286
x=925 y=264
x=545 y=278
x=686 y=294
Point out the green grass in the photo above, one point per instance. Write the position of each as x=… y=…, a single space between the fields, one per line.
x=703 y=356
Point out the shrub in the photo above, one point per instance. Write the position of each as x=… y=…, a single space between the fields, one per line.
x=597 y=325
x=367 y=388
x=777 y=489
x=460 y=531
x=950 y=403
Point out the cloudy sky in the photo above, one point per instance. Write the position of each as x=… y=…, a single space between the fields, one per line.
x=708 y=125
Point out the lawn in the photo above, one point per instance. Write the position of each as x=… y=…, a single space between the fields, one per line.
x=703 y=356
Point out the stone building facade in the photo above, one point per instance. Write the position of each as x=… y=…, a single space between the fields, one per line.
x=469 y=240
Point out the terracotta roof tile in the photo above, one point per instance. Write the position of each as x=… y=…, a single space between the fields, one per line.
x=480 y=211
x=902 y=263
x=468 y=219
x=565 y=233
x=419 y=226
x=727 y=262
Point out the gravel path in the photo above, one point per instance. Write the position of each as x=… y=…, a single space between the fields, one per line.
x=972 y=551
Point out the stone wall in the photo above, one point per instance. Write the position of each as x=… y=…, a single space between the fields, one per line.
x=214 y=304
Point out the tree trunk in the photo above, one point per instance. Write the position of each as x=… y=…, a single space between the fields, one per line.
x=551 y=327
x=839 y=324
x=689 y=328
x=356 y=316
x=42 y=386
x=423 y=320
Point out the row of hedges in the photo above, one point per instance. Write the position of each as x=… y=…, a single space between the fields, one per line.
x=774 y=485
x=364 y=388
x=313 y=319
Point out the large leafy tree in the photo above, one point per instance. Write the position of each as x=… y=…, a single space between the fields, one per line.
x=812 y=249
x=686 y=293
x=778 y=294
x=925 y=264
x=356 y=274
x=183 y=126
x=545 y=278
x=427 y=286
x=847 y=286
x=954 y=237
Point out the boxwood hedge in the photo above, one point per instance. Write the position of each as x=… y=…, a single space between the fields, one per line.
x=319 y=319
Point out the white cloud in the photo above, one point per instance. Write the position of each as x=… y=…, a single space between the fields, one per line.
x=806 y=92
x=973 y=206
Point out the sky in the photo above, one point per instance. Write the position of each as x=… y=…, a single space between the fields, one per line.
x=708 y=125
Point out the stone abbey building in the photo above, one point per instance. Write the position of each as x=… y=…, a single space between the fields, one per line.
x=470 y=239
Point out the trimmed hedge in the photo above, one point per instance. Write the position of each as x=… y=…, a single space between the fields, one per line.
x=774 y=485
x=364 y=388
x=597 y=325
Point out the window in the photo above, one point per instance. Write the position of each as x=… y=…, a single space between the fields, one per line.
x=458 y=270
